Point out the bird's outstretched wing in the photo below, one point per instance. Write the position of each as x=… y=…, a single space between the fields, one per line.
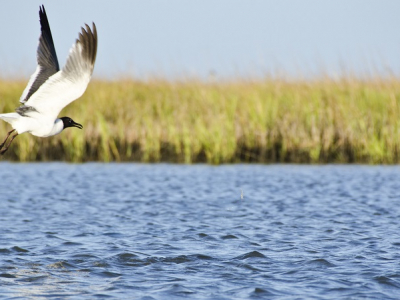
x=46 y=59
x=69 y=83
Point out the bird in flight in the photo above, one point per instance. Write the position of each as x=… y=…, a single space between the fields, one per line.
x=50 y=89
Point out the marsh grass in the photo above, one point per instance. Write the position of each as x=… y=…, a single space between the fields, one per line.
x=273 y=120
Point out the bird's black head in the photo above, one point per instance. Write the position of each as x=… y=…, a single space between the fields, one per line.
x=68 y=122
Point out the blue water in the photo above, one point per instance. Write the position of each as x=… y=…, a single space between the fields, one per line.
x=132 y=231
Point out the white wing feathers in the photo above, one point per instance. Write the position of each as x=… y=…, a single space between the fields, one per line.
x=32 y=80
x=69 y=83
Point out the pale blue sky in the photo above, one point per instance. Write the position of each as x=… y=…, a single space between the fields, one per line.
x=226 y=37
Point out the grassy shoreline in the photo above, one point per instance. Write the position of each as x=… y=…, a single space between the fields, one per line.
x=267 y=121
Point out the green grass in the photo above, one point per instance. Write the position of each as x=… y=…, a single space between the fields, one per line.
x=272 y=120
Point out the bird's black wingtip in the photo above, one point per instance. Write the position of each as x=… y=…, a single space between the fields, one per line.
x=43 y=16
x=42 y=11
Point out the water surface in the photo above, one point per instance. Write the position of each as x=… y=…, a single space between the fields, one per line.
x=184 y=232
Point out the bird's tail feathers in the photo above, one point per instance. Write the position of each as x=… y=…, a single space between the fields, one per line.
x=10 y=117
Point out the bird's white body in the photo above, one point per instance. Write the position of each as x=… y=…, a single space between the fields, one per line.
x=34 y=125
x=50 y=88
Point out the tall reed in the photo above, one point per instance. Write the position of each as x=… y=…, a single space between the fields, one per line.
x=273 y=120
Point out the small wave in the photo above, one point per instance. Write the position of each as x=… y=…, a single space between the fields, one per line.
x=19 y=249
x=178 y=259
x=187 y=258
x=228 y=237
x=320 y=263
x=100 y=264
x=133 y=260
x=206 y=236
x=252 y=254
x=113 y=234
x=203 y=257
x=126 y=256
x=33 y=278
x=109 y=274
x=60 y=265
x=260 y=292
x=386 y=281
x=130 y=259
x=179 y=290
x=72 y=244
x=84 y=257
x=7 y=275
x=249 y=267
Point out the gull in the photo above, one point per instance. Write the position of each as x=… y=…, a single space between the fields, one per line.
x=50 y=89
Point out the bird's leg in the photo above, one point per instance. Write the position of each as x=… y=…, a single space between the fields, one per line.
x=8 y=145
x=8 y=134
